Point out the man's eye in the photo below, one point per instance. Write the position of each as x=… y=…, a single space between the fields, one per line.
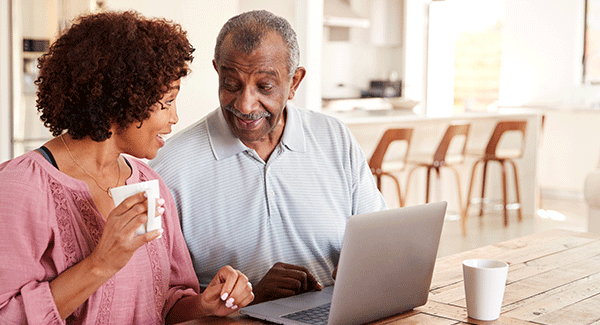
x=230 y=85
x=266 y=87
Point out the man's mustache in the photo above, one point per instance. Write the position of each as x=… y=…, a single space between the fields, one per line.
x=252 y=116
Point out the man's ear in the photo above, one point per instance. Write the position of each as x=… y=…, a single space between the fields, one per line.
x=215 y=65
x=296 y=80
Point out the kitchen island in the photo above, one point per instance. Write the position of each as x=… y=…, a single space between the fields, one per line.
x=369 y=126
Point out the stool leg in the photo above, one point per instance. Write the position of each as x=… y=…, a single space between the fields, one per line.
x=438 y=185
x=465 y=212
x=407 y=182
x=517 y=190
x=397 y=188
x=485 y=164
x=460 y=204
x=504 y=193
x=427 y=185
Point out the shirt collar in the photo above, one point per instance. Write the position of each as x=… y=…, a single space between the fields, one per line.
x=224 y=143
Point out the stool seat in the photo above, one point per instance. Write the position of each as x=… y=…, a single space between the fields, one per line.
x=423 y=159
x=503 y=156
x=393 y=166
x=499 y=154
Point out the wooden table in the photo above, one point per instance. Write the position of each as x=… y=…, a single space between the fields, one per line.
x=553 y=278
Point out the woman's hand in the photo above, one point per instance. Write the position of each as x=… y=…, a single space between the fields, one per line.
x=117 y=245
x=228 y=291
x=119 y=240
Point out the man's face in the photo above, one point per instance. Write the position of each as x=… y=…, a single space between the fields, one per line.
x=254 y=88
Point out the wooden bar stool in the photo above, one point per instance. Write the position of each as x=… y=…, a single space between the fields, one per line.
x=502 y=156
x=457 y=132
x=381 y=167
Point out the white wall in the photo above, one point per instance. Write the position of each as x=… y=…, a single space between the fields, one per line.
x=542 y=67
x=542 y=52
x=202 y=20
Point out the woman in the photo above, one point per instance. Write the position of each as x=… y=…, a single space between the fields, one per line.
x=107 y=87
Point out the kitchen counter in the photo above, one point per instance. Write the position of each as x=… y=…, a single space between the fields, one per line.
x=364 y=116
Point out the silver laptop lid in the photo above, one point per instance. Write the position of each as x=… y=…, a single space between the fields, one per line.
x=386 y=263
x=385 y=268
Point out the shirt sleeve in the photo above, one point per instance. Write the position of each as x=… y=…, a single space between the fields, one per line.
x=366 y=197
x=183 y=280
x=25 y=238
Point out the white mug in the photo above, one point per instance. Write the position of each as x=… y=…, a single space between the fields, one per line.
x=484 y=282
x=152 y=193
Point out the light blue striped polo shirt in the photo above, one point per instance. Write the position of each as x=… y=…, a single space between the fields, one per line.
x=238 y=210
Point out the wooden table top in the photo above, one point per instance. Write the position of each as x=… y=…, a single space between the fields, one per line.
x=553 y=278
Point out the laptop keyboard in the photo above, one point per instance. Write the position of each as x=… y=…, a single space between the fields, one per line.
x=315 y=316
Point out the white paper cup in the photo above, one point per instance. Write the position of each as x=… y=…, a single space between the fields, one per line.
x=152 y=192
x=484 y=287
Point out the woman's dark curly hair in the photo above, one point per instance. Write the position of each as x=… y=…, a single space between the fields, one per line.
x=109 y=68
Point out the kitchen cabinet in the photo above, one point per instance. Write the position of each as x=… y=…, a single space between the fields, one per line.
x=35 y=26
x=386 y=22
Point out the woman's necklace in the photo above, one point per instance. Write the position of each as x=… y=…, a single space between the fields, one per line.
x=107 y=190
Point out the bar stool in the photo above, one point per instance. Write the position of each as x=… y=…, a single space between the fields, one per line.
x=381 y=167
x=442 y=158
x=502 y=156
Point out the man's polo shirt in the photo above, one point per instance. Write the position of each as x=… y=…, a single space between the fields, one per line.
x=239 y=210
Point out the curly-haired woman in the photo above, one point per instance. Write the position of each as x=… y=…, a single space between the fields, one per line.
x=107 y=87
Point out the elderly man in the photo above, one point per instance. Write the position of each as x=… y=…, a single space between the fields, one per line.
x=262 y=185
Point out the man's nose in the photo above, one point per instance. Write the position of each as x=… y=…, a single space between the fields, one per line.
x=247 y=101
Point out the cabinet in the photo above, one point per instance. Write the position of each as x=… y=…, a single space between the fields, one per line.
x=386 y=22
x=36 y=25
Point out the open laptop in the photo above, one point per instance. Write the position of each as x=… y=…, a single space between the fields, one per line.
x=385 y=268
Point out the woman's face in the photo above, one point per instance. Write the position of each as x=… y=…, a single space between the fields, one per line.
x=142 y=140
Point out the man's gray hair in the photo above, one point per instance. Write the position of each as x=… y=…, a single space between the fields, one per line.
x=249 y=28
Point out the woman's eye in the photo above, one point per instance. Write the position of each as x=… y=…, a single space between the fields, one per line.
x=167 y=104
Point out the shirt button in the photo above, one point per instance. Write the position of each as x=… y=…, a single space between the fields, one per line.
x=272 y=193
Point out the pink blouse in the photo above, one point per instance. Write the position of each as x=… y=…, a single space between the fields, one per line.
x=48 y=223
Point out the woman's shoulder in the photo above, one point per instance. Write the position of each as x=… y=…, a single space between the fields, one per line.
x=30 y=180
x=25 y=170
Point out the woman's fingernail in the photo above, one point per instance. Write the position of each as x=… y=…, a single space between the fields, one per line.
x=229 y=303
x=224 y=296
x=160 y=201
x=234 y=307
x=160 y=210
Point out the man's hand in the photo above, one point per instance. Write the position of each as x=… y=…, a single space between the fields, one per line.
x=284 y=280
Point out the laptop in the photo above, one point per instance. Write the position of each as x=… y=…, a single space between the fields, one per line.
x=385 y=268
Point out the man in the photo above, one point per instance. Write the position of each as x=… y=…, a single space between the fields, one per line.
x=260 y=184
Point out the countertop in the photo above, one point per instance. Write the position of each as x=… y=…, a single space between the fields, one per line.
x=355 y=117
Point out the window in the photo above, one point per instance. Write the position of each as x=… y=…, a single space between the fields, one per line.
x=477 y=54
